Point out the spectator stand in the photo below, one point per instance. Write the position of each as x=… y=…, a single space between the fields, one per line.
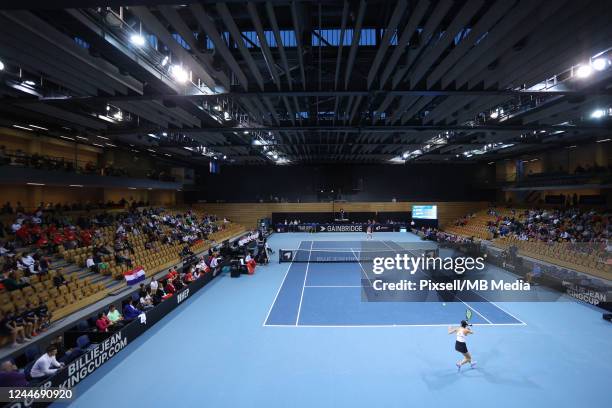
x=73 y=323
x=85 y=287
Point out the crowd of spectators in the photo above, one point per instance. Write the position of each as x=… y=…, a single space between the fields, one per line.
x=32 y=240
x=37 y=236
x=434 y=234
x=553 y=225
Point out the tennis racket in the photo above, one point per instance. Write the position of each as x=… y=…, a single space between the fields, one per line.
x=468 y=316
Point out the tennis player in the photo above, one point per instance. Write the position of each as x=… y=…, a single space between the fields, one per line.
x=369 y=231
x=460 y=345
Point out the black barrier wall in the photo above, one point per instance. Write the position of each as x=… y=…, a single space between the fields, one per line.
x=315 y=227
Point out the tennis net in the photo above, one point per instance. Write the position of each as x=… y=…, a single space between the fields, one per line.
x=345 y=255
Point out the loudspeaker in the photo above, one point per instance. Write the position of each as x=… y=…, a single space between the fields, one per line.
x=608 y=317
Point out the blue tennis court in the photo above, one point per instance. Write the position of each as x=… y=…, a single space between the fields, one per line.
x=331 y=294
x=216 y=351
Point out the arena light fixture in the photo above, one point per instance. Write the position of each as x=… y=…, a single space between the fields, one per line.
x=38 y=127
x=598 y=114
x=603 y=140
x=138 y=40
x=179 y=74
x=23 y=127
x=1 y=66
x=600 y=63
x=584 y=71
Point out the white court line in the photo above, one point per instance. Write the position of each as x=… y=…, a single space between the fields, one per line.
x=297 y=319
x=361 y=266
x=277 y=292
x=503 y=310
x=389 y=325
x=477 y=312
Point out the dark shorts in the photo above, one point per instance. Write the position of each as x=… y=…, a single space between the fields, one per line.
x=461 y=347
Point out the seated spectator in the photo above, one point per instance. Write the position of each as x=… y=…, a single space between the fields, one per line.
x=90 y=264
x=11 y=283
x=186 y=252
x=114 y=316
x=43 y=314
x=122 y=258
x=170 y=289
x=102 y=323
x=146 y=301
x=172 y=273
x=58 y=279
x=8 y=327
x=188 y=277
x=10 y=376
x=46 y=365
x=44 y=265
x=159 y=295
x=20 y=320
x=65 y=355
x=31 y=319
x=27 y=263
x=130 y=312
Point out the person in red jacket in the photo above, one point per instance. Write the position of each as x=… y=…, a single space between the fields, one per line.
x=250 y=263
x=42 y=241
x=102 y=323
x=86 y=237
x=170 y=289
x=23 y=234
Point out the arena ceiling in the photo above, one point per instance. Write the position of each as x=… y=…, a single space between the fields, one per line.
x=366 y=81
